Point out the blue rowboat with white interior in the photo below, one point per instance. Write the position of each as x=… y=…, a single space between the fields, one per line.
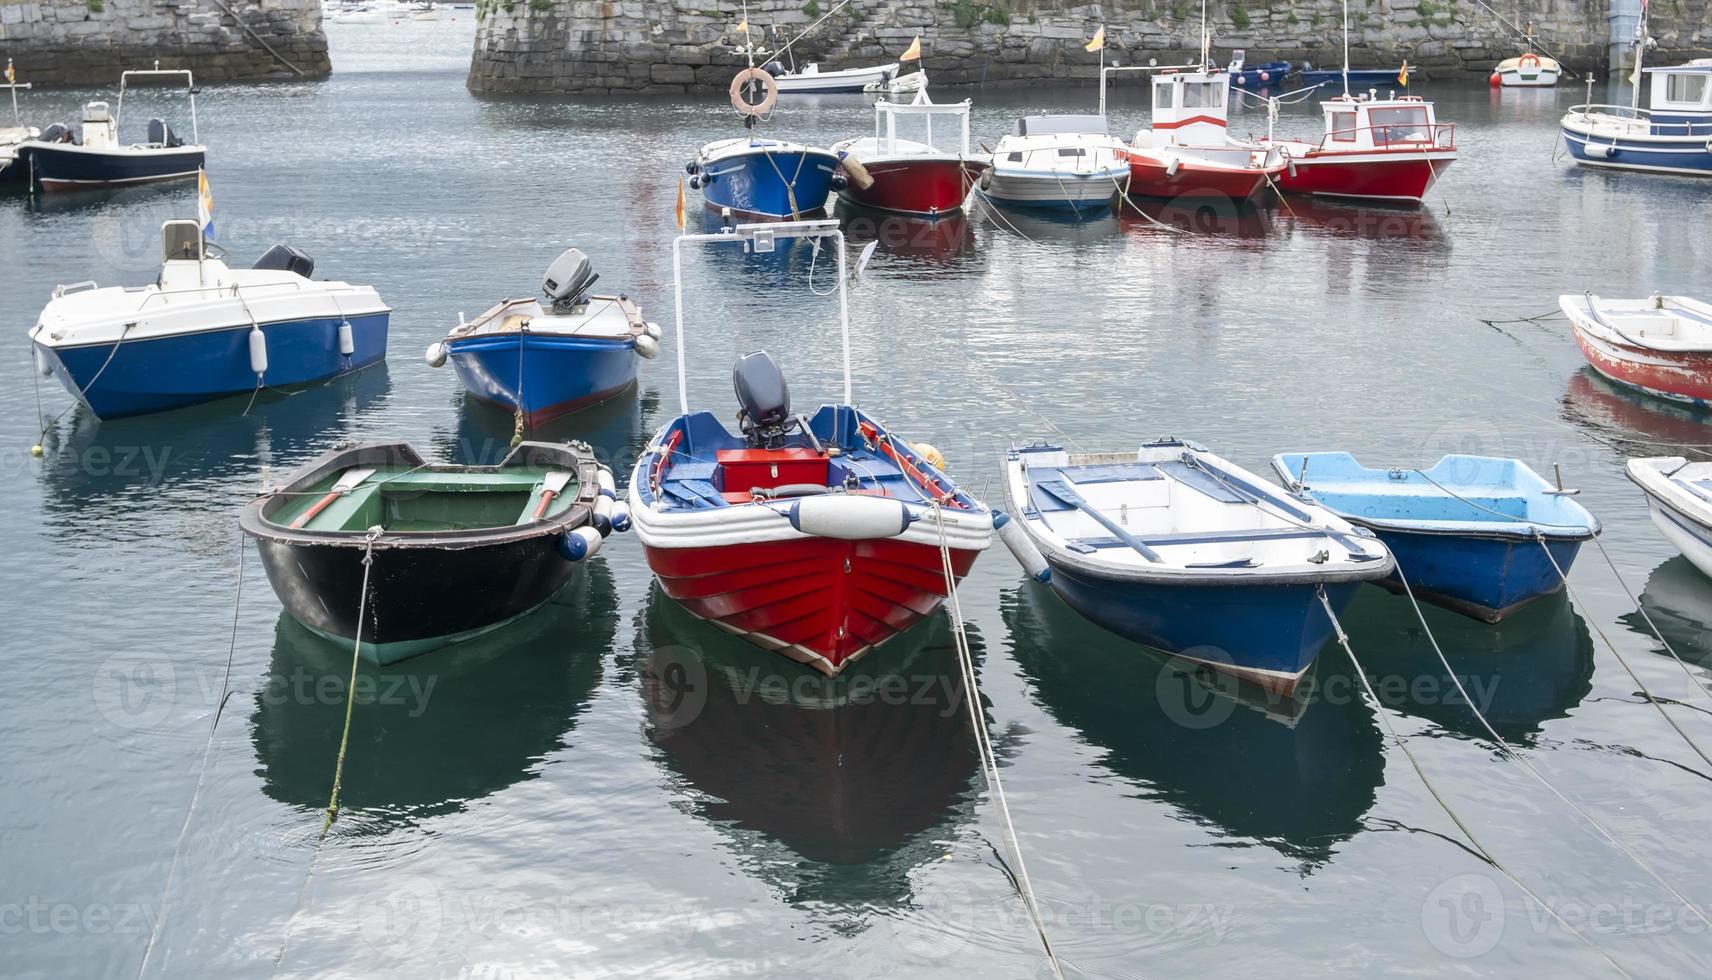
x=1466 y=533
x=203 y=330
x=574 y=353
x=766 y=178
x=1674 y=136
x=1178 y=549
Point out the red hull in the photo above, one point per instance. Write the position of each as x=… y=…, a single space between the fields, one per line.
x=1148 y=178
x=1406 y=177
x=820 y=601
x=922 y=187
x=1681 y=376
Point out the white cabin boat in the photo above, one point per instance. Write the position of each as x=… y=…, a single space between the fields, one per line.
x=1061 y=163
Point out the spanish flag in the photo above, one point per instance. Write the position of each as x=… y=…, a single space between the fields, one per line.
x=11 y=73
x=1403 y=75
x=680 y=208
x=744 y=25
x=1099 y=41
x=204 y=205
x=913 y=52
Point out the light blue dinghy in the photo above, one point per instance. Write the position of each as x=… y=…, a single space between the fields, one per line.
x=1178 y=549
x=1466 y=533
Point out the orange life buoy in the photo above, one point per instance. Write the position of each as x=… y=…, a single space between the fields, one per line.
x=1529 y=60
x=767 y=81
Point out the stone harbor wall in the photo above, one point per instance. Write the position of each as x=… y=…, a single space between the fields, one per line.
x=603 y=46
x=89 y=42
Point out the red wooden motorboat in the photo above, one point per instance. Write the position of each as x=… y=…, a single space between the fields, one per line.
x=1661 y=345
x=1373 y=149
x=1188 y=152
x=909 y=176
x=819 y=538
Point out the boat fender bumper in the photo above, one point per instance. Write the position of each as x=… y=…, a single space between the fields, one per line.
x=436 y=355
x=258 y=352
x=602 y=519
x=581 y=543
x=850 y=517
x=620 y=517
x=43 y=366
x=1022 y=546
x=347 y=342
x=1604 y=151
x=647 y=347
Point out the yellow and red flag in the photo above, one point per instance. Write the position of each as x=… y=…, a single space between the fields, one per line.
x=913 y=52
x=204 y=204
x=1099 y=41
x=1403 y=75
x=11 y=73
x=680 y=208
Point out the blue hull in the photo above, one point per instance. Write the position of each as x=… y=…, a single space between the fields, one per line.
x=171 y=372
x=1357 y=77
x=1637 y=154
x=1487 y=578
x=66 y=169
x=559 y=374
x=752 y=184
x=1274 y=73
x=1269 y=634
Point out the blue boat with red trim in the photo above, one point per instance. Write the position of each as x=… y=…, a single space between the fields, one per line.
x=547 y=361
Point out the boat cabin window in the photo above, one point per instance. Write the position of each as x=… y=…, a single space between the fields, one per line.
x=1070 y=151
x=1685 y=88
x=1343 y=126
x=1164 y=96
x=180 y=240
x=1403 y=124
x=1015 y=156
x=1204 y=95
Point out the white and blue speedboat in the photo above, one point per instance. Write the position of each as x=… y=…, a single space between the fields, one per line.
x=1679 y=498
x=1674 y=136
x=1067 y=163
x=546 y=361
x=1466 y=532
x=203 y=330
x=1180 y=550
x=755 y=177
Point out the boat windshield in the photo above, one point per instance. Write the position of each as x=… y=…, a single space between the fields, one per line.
x=1204 y=95
x=1685 y=88
x=1400 y=124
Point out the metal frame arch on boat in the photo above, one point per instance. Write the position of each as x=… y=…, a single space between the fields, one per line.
x=744 y=106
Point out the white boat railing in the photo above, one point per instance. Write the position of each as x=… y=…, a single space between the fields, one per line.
x=1631 y=114
x=1431 y=136
x=159 y=72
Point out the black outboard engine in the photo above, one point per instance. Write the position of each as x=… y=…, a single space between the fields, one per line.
x=764 y=398
x=284 y=258
x=57 y=133
x=568 y=280
x=160 y=134
x=774 y=68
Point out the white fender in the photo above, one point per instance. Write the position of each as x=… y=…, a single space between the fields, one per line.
x=653 y=330
x=347 y=343
x=42 y=364
x=258 y=351
x=603 y=480
x=1171 y=168
x=603 y=514
x=436 y=355
x=1022 y=546
x=580 y=544
x=647 y=346
x=850 y=517
x=620 y=516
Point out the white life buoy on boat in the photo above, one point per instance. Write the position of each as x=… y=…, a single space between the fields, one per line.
x=647 y=347
x=347 y=342
x=767 y=81
x=850 y=517
x=436 y=355
x=258 y=351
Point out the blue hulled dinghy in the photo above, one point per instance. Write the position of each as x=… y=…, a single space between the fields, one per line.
x=1466 y=533
x=1176 y=548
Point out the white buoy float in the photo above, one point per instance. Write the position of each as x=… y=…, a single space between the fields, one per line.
x=579 y=544
x=436 y=355
x=347 y=342
x=258 y=352
x=647 y=346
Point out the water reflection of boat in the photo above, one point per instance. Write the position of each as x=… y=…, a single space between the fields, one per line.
x=1679 y=600
x=1373 y=222
x=617 y=430
x=940 y=241
x=93 y=469
x=1198 y=742
x=1640 y=424
x=1220 y=217
x=434 y=734
x=831 y=788
x=1047 y=226
x=1533 y=667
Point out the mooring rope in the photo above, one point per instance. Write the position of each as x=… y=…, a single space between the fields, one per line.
x=1695 y=682
x=202 y=772
x=989 y=762
x=1645 y=691
x=1484 y=854
x=1516 y=756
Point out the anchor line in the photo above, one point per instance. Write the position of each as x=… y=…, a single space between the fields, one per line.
x=202 y=772
x=989 y=762
x=1694 y=681
x=1444 y=804
x=123 y=331
x=1645 y=691
x=1516 y=756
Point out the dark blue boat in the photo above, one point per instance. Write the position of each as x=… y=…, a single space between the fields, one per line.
x=1268 y=75
x=1178 y=549
x=766 y=178
x=1466 y=533
x=1358 y=77
x=575 y=353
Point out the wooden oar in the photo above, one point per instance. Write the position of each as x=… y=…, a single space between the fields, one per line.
x=348 y=481
x=555 y=483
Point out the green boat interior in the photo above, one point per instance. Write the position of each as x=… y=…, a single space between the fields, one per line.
x=401 y=500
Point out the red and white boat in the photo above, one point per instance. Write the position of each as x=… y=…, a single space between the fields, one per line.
x=1373 y=149
x=817 y=537
x=1188 y=151
x=1660 y=344
x=907 y=176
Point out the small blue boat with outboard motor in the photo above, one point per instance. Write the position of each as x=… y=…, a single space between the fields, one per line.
x=1467 y=532
x=1188 y=553
x=547 y=361
x=204 y=330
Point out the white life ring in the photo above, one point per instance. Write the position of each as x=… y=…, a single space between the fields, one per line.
x=767 y=81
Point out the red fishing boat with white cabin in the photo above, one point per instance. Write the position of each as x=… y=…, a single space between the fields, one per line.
x=1188 y=151
x=913 y=177
x=817 y=537
x=1373 y=149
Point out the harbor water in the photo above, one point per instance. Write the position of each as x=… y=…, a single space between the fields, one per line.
x=611 y=788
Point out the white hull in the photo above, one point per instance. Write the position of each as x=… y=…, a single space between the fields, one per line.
x=1050 y=188
x=1678 y=503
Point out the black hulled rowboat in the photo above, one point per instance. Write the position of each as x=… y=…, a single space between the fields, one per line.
x=458 y=550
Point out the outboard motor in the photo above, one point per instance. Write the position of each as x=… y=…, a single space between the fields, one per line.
x=568 y=280
x=57 y=133
x=774 y=68
x=284 y=258
x=765 y=400
x=160 y=134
